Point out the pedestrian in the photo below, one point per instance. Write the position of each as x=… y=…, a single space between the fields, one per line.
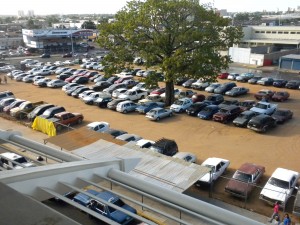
x=276 y=220
x=287 y=220
x=275 y=212
x=5 y=80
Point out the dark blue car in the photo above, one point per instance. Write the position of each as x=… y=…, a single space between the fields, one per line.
x=147 y=106
x=103 y=209
x=208 y=112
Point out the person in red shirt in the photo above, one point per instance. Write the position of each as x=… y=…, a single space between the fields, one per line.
x=275 y=212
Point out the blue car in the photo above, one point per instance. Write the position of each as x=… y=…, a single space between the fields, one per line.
x=147 y=106
x=208 y=112
x=103 y=209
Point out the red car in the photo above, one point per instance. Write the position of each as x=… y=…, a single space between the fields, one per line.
x=198 y=98
x=264 y=94
x=71 y=78
x=223 y=75
x=280 y=96
x=158 y=91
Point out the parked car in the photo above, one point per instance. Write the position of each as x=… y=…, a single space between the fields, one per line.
x=266 y=81
x=200 y=85
x=152 y=98
x=280 y=96
x=211 y=88
x=282 y=115
x=264 y=108
x=80 y=80
x=64 y=119
x=72 y=89
x=165 y=146
x=293 y=84
x=100 y=86
x=67 y=55
x=105 y=210
x=208 y=112
x=113 y=104
x=261 y=123
x=188 y=83
x=264 y=94
x=181 y=105
x=244 y=77
x=214 y=99
x=254 y=79
x=280 y=187
x=114 y=132
x=279 y=83
x=224 y=87
x=198 y=98
x=126 y=106
x=50 y=112
x=186 y=156
x=103 y=100
x=64 y=76
x=242 y=119
x=158 y=91
x=228 y=102
x=186 y=94
x=144 y=143
x=217 y=166
x=223 y=75
x=90 y=99
x=237 y=91
x=244 y=180
x=79 y=90
x=98 y=126
x=180 y=80
x=113 y=87
x=45 y=55
x=159 y=113
x=246 y=104
x=9 y=160
x=29 y=78
x=147 y=106
x=227 y=114
x=56 y=83
x=38 y=111
x=129 y=137
x=14 y=104
x=232 y=76
x=195 y=108
x=6 y=102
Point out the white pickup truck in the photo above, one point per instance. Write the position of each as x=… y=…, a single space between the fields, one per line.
x=264 y=108
x=133 y=95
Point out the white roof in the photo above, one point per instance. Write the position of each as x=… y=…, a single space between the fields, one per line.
x=93 y=124
x=213 y=161
x=143 y=141
x=11 y=155
x=181 y=155
x=284 y=174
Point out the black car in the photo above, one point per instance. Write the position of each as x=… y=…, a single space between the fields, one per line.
x=67 y=55
x=103 y=101
x=224 y=87
x=243 y=119
x=279 y=83
x=81 y=80
x=165 y=146
x=228 y=102
x=113 y=104
x=64 y=76
x=293 y=84
x=282 y=115
x=180 y=80
x=261 y=123
x=100 y=86
x=39 y=111
x=254 y=80
x=266 y=81
x=214 y=99
x=45 y=55
x=78 y=91
x=115 y=133
x=194 y=109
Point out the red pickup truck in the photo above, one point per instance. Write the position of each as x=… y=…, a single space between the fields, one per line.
x=65 y=119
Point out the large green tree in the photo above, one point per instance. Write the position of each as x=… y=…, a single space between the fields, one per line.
x=181 y=37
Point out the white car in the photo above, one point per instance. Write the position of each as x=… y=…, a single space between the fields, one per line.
x=85 y=94
x=98 y=126
x=181 y=105
x=91 y=98
x=280 y=186
x=56 y=83
x=217 y=166
x=128 y=137
x=36 y=78
x=43 y=72
x=144 y=143
x=68 y=63
x=10 y=160
x=212 y=87
x=28 y=78
x=119 y=91
x=186 y=156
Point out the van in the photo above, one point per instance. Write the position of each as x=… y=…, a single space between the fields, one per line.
x=10 y=161
x=49 y=113
x=6 y=94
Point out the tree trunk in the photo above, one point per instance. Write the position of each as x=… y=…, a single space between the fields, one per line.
x=169 y=93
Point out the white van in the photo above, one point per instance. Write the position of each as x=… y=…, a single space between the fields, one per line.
x=7 y=160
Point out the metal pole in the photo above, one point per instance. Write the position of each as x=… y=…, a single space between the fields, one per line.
x=72 y=43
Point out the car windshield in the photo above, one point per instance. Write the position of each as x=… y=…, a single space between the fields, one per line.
x=152 y=112
x=242 y=176
x=223 y=110
x=178 y=102
x=207 y=109
x=279 y=113
x=261 y=106
x=243 y=116
x=211 y=167
x=119 y=203
x=279 y=183
x=21 y=160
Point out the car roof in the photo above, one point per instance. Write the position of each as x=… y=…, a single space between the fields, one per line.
x=107 y=196
x=125 y=136
x=141 y=142
x=93 y=124
x=284 y=174
x=11 y=155
x=182 y=155
x=249 y=168
x=213 y=161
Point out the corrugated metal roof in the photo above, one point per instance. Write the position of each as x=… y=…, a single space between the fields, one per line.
x=273 y=41
x=156 y=168
x=291 y=56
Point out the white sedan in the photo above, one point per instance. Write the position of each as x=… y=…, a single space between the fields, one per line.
x=159 y=113
x=56 y=83
x=98 y=126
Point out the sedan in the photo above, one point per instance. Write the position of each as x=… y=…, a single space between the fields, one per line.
x=103 y=101
x=194 y=109
x=254 y=80
x=232 y=76
x=80 y=80
x=266 y=81
x=147 y=106
x=42 y=82
x=279 y=83
x=244 y=77
x=129 y=137
x=243 y=119
x=212 y=87
x=264 y=94
x=181 y=105
x=208 y=112
x=282 y=115
x=293 y=84
x=280 y=96
x=56 y=83
x=198 y=98
x=159 y=113
x=237 y=91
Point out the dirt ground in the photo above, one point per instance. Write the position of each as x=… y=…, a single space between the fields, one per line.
x=277 y=148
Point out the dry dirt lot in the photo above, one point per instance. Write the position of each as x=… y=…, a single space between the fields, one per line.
x=277 y=148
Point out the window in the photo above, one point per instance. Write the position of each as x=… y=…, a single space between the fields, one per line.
x=268 y=32
x=293 y=32
x=274 y=32
x=279 y=32
x=285 y=32
x=262 y=32
x=256 y=32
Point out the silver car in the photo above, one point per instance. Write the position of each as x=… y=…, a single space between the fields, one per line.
x=159 y=113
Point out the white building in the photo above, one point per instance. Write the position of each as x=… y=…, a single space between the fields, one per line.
x=21 y=13
x=30 y=13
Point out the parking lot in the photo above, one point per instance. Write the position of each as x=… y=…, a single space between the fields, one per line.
x=276 y=148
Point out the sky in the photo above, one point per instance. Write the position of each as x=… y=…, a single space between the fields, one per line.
x=43 y=7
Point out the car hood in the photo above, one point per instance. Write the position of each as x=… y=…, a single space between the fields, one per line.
x=278 y=118
x=240 y=120
x=205 y=178
x=275 y=193
x=15 y=110
x=238 y=187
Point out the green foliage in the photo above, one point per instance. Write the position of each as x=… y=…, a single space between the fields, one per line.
x=180 y=36
x=88 y=25
x=151 y=80
x=51 y=19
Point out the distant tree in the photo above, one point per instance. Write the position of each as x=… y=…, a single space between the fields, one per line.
x=31 y=25
x=51 y=19
x=182 y=38
x=241 y=18
x=88 y=25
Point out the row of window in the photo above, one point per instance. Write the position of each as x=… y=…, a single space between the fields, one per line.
x=277 y=32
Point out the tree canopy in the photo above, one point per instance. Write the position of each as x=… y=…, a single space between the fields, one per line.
x=181 y=37
x=88 y=25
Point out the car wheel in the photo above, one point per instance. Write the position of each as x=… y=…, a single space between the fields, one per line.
x=79 y=121
x=157 y=119
x=264 y=129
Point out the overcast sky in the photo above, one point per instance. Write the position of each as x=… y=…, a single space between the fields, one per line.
x=43 y=7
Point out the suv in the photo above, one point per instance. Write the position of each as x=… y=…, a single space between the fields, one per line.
x=10 y=161
x=165 y=146
x=261 y=123
x=280 y=186
x=6 y=94
x=244 y=180
x=226 y=114
x=103 y=209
